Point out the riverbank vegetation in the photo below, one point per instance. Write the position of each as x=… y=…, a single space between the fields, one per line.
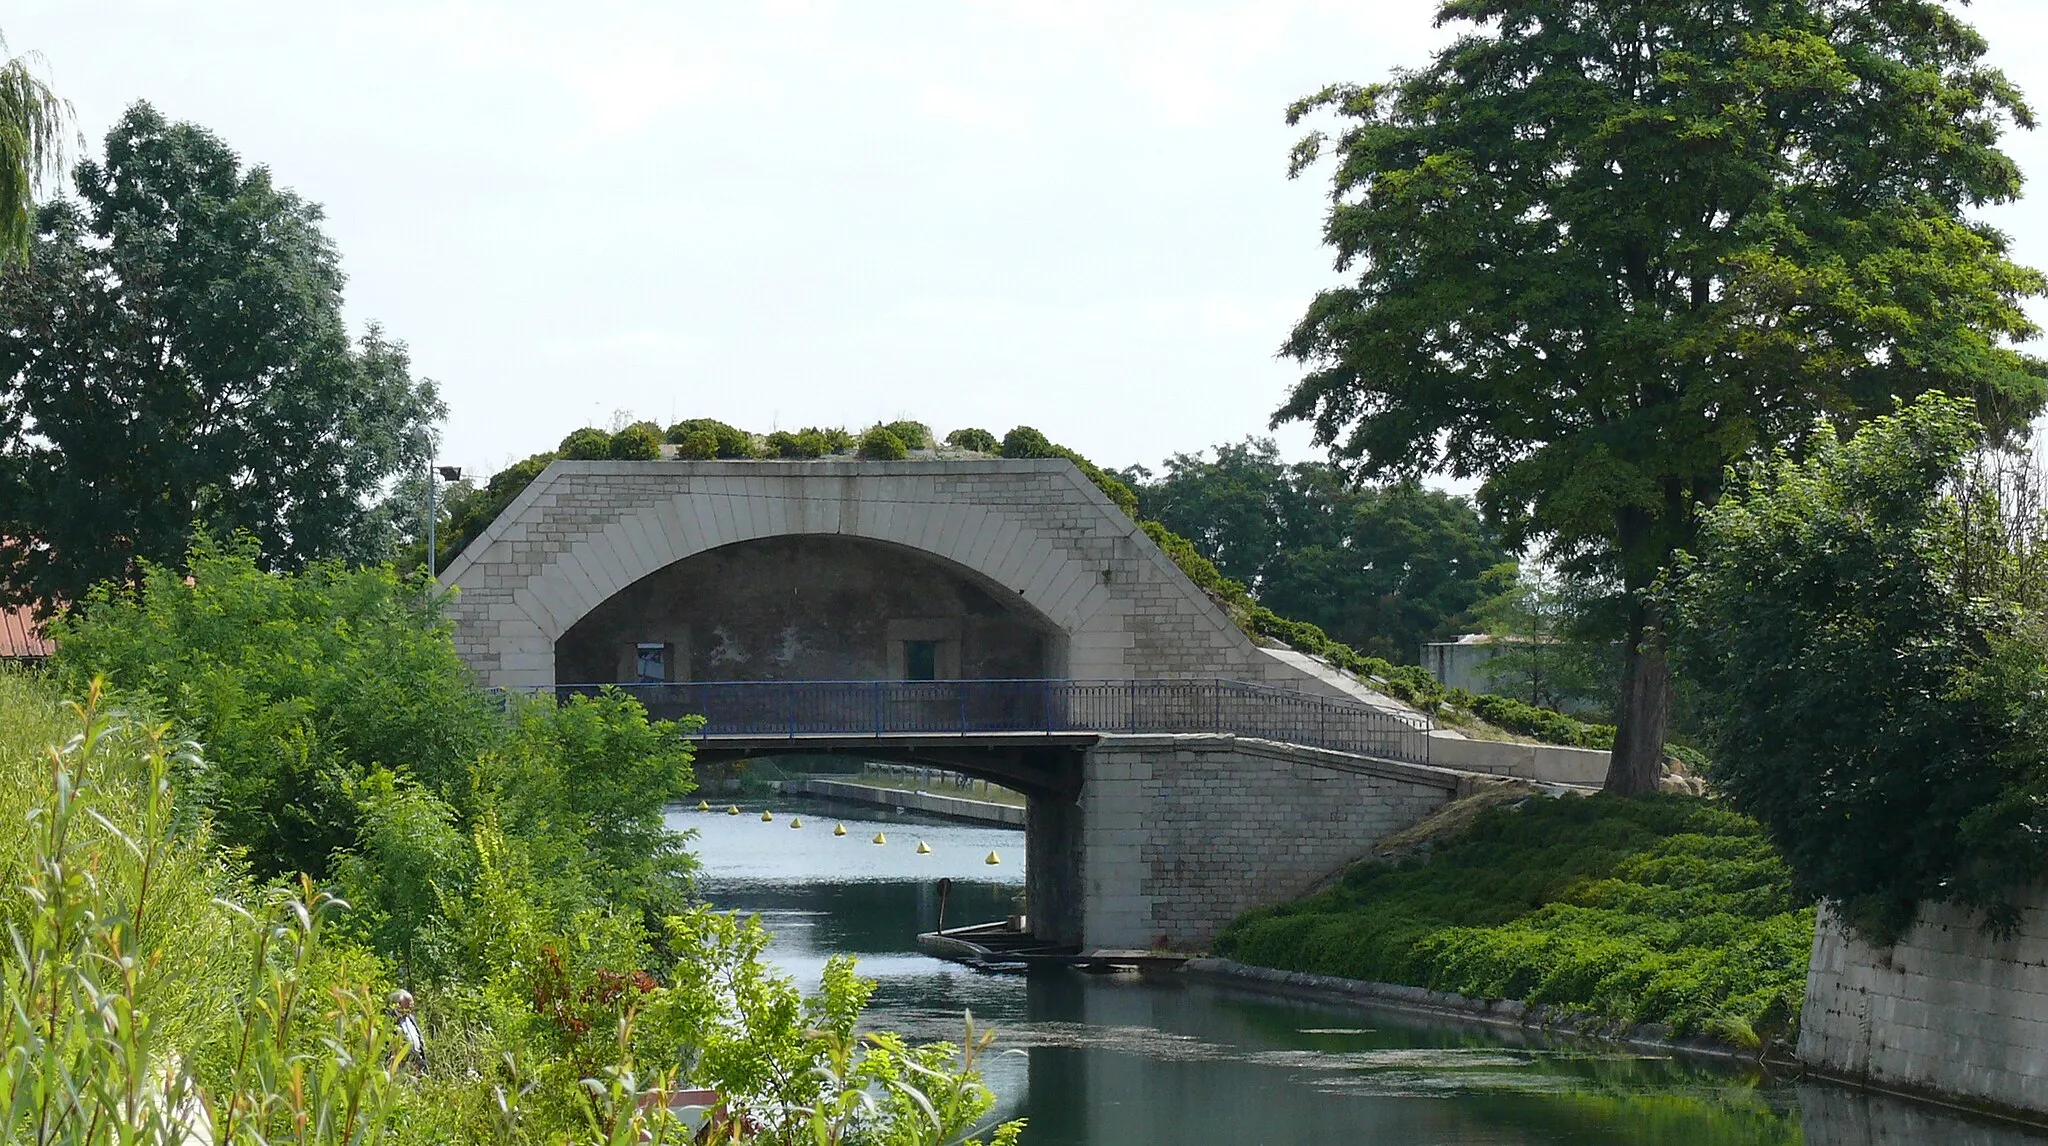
x=283 y=799
x=1655 y=909
x=1870 y=623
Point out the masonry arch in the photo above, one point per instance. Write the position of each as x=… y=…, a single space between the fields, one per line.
x=814 y=607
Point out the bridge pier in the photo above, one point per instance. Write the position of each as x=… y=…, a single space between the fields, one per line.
x=1053 y=889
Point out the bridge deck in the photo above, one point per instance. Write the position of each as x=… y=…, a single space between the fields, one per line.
x=1018 y=713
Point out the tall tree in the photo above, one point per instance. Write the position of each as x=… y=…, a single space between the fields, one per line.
x=32 y=125
x=1603 y=248
x=174 y=358
x=1380 y=568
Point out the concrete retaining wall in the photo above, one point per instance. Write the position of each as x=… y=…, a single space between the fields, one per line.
x=977 y=811
x=1548 y=763
x=1947 y=1012
x=1181 y=834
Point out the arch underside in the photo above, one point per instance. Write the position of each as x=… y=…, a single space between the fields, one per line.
x=1048 y=770
x=821 y=607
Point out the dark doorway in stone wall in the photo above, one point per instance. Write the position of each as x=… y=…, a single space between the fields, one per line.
x=811 y=607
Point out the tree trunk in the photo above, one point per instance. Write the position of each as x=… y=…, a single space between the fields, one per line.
x=1645 y=712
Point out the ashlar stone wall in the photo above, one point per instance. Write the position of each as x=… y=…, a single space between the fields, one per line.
x=1947 y=1011
x=1034 y=530
x=1181 y=834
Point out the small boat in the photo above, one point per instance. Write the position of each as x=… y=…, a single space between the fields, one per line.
x=1006 y=945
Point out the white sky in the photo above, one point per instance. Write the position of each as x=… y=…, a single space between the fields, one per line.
x=780 y=213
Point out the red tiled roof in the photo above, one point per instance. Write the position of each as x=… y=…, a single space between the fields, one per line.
x=20 y=637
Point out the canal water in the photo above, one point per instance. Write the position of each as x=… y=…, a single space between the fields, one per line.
x=1116 y=1060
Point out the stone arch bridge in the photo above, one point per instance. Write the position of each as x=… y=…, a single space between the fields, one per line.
x=999 y=617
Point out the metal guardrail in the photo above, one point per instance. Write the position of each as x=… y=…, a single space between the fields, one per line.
x=856 y=708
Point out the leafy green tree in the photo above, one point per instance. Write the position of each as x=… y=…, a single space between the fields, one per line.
x=1546 y=651
x=32 y=125
x=1381 y=569
x=1865 y=624
x=174 y=357
x=1601 y=249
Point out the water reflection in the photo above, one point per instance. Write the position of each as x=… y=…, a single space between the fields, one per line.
x=1122 y=1061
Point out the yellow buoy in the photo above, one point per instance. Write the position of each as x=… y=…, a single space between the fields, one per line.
x=923 y=849
x=796 y=821
x=703 y=805
x=992 y=859
x=840 y=830
x=766 y=815
x=880 y=838
x=733 y=811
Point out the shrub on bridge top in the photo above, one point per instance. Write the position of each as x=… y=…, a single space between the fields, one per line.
x=698 y=445
x=1025 y=442
x=588 y=444
x=915 y=435
x=970 y=438
x=881 y=444
x=640 y=442
x=809 y=442
x=728 y=441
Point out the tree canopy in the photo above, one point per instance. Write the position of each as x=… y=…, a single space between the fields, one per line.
x=1599 y=249
x=174 y=358
x=1865 y=623
x=32 y=126
x=1382 y=569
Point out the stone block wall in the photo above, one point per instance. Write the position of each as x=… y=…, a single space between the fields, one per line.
x=1036 y=531
x=1181 y=834
x=1947 y=1011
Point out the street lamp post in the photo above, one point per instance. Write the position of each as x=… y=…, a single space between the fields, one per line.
x=450 y=474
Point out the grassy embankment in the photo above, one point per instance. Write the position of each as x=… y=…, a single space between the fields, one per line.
x=1670 y=910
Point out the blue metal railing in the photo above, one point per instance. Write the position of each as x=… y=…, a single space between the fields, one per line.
x=792 y=709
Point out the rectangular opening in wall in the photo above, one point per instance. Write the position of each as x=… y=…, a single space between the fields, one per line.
x=920 y=660
x=651 y=662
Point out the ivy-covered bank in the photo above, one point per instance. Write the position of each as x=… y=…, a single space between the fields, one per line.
x=472 y=510
x=1664 y=909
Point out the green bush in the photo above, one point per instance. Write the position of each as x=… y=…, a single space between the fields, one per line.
x=729 y=441
x=1865 y=623
x=636 y=443
x=698 y=445
x=980 y=441
x=809 y=442
x=915 y=435
x=1544 y=724
x=1025 y=442
x=588 y=444
x=306 y=689
x=153 y=993
x=1660 y=909
x=880 y=444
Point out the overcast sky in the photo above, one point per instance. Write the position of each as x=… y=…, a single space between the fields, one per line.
x=1073 y=215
